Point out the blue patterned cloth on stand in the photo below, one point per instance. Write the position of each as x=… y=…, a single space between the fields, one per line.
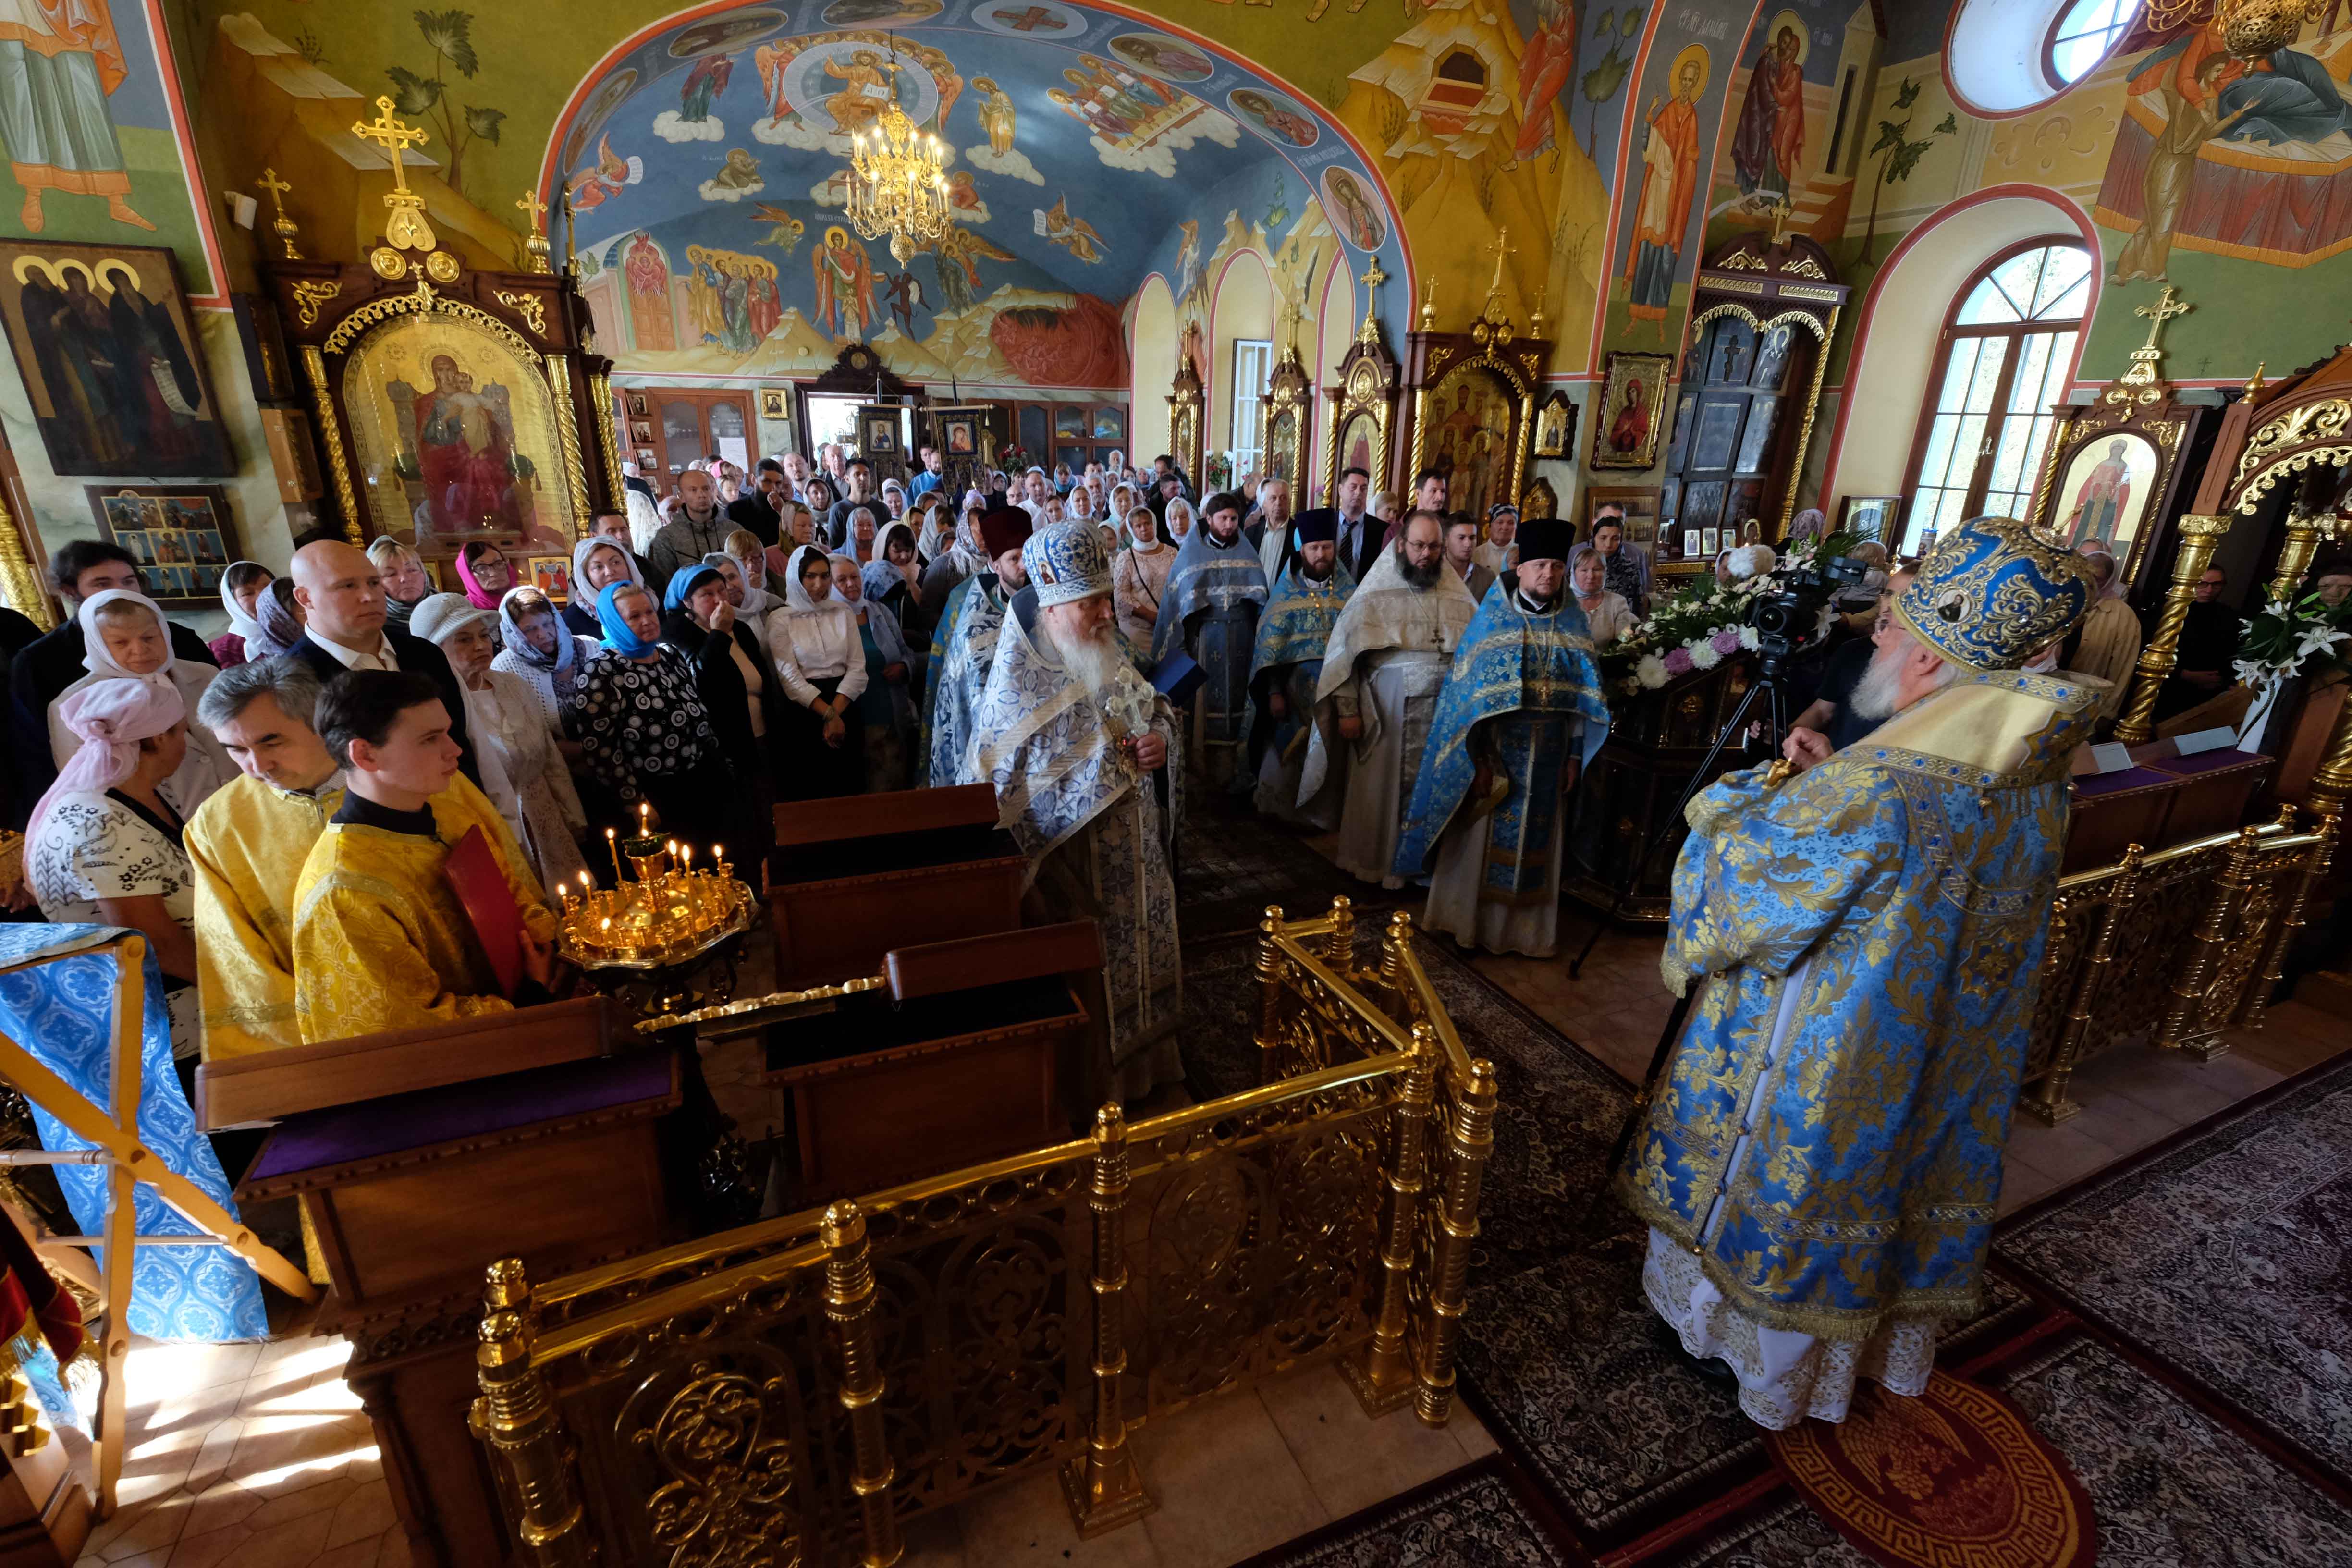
x=63 y=1012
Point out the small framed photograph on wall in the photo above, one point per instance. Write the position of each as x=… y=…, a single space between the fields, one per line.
x=552 y=575
x=179 y=534
x=772 y=404
x=1640 y=506
x=1870 y=517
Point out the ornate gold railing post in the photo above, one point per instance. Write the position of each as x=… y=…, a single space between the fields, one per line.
x=849 y=1306
x=1470 y=1139
x=516 y=1418
x=1340 y=947
x=1382 y=1373
x=2273 y=965
x=606 y=431
x=1393 y=947
x=2198 y=536
x=2301 y=544
x=2049 y=1104
x=1104 y=1490
x=2184 y=1027
x=1270 y=997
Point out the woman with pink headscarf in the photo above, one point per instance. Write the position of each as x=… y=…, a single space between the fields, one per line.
x=104 y=844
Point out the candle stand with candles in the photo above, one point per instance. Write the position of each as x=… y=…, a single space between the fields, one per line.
x=666 y=936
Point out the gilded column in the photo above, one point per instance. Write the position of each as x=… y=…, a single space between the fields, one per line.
x=1340 y=947
x=1270 y=997
x=1382 y=1373
x=1104 y=1490
x=2313 y=873
x=516 y=1419
x=1393 y=948
x=2048 y=1101
x=567 y=431
x=2303 y=536
x=20 y=579
x=2187 y=1025
x=849 y=1307
x=330 y=436
x=2199 y=537
x=600 y=390
x=1470 y=1139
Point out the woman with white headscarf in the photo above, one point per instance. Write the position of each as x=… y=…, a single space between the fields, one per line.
x=597 y=563
x=104 y=845
x=1607 y=616
x=242 y=586
x=126 y=638
x=816 y=642
x=1178 y=521
x=523 y=772
x=538 y=649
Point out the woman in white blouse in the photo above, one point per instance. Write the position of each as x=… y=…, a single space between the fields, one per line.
x=814 y=640
x=127 y=639
x=103 y=847
x=1607 y=616
x=523 y=772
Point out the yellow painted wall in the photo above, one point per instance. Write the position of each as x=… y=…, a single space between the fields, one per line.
x=1152 y=352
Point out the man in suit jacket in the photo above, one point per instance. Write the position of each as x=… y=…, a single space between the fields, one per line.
x=342 y=597
x=755 y=510
x=50 y=662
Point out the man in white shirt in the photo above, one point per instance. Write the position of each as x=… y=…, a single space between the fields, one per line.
x=1036 y=489
x=341 y=594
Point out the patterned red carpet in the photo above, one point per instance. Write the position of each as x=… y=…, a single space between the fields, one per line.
x=1955 y=1478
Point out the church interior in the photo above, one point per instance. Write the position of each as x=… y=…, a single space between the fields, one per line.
x=1083 y=1148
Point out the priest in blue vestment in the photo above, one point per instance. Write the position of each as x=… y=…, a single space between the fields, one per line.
x=1520 y=714
x=1209 y=609
x=1820 y=1166
x=1283 y=668
x=963 y=645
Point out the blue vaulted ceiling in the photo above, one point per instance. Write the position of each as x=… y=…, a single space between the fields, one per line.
x=1081 y=138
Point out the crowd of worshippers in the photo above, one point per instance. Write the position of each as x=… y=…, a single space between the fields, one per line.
x=271 y=810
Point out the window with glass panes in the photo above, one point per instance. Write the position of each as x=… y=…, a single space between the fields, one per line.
x=2006 y=353
x=1252 y=364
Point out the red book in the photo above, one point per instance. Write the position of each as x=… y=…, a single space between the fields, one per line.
x=473 y=874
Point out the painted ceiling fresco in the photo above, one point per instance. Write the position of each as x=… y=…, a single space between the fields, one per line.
x=710 y=159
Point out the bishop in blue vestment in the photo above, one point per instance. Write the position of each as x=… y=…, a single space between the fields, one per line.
x=1521 y=715
x=1821 y=1164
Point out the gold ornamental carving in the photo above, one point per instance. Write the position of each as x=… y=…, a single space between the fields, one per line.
x=729 y=1498
x=385 y=307
x=404 y=227
x=2300 y=430
x=2199 y=536
x=283 y=226
x=330 y=436
x=1806 y=267
x=599 y=399
x=1745 y=262
x=530 y=307
x=308 y=295
x=18 y=580
x=567 y=431
x=2143 y=383
x=388 y=264
x=441 y=267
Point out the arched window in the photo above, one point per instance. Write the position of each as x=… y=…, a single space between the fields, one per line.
x=2080 y=36
x=2007 y=351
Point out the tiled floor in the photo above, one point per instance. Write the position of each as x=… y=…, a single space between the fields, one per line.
x=256 y=1456
x=252 y=1455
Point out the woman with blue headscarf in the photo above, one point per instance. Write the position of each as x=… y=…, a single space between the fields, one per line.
x=644 y=731
x=739 y=688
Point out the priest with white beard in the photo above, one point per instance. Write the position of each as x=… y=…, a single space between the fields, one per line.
x=963 y=645
x=1382 y=670
x=1083 y=753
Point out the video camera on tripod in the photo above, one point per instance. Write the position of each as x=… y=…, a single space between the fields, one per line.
x=1795 y=617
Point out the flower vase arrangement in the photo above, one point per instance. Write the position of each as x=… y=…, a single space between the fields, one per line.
x=2302 y=637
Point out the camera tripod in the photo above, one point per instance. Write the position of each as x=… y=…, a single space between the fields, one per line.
x=1770 y=687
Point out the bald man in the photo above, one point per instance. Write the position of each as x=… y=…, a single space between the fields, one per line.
x=341 y=594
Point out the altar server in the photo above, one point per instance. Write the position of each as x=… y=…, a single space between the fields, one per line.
x=964 y=644
x=1209 y=610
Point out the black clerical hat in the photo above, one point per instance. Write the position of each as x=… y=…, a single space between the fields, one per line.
x=1545 y=539
x=1319 y=526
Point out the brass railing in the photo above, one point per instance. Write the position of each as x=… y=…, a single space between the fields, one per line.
x=2173 y=948
x=790 y=1391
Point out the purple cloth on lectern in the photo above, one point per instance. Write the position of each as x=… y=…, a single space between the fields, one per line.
x=429 y=1116
x=2203 y=763
x=2117 y=782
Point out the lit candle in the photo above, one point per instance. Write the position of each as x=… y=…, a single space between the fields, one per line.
x=612 y=845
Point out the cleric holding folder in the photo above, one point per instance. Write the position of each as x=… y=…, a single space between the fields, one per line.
x=381 y=941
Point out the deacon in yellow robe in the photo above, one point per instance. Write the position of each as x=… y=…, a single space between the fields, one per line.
x=248 y=843
x=380 y=941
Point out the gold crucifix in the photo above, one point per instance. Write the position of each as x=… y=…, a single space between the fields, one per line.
x=1503 y=249
x=284 y=227
x=535 y=245
x=1781 y=211
x=405 y=228
x=2163 y=310
x=1368 y=330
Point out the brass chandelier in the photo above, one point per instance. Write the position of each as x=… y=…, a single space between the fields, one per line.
x=897 y=180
